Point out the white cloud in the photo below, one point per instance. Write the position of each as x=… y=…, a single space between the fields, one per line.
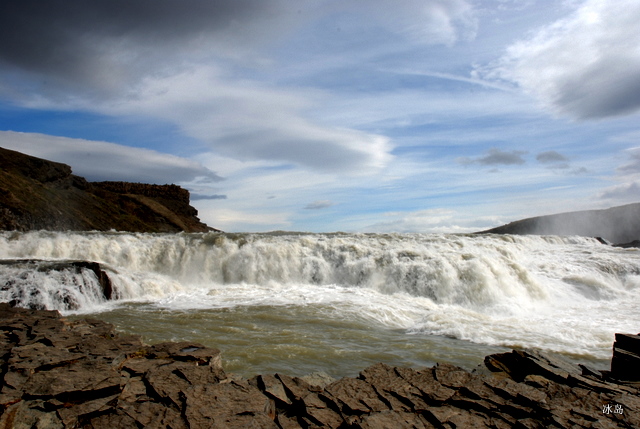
x=249 y=186
x=297 y=106
x=98 y=161
x=249 y=121
x=405 y=108
x=178 y=64
x=626 y=192
x=240 y=220
x=432 y=221
x=584 y=66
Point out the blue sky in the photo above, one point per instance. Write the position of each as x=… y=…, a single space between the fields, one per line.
x=371 y=116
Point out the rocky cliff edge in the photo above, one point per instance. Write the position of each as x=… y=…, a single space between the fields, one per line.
x=37 y=194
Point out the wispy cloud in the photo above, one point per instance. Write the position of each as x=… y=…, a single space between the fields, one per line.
x=195 y=197
x=242 y=220
x=249 y=121
x=124 y=69
x=433 y=221
x=625 y=192
x=98 y=161
x=320 y=204
x=474 y=78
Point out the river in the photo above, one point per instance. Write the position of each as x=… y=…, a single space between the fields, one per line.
x=299 y=303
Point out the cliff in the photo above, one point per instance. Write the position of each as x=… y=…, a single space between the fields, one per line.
x=40 y=194
x=617 y=224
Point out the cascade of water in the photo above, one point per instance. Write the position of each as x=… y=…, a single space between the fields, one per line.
x=448 y=269
x=508 y=290
x=33 y=285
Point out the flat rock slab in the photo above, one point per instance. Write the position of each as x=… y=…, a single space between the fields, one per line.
x=61 y=374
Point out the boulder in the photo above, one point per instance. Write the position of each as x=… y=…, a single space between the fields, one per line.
x=625 y=363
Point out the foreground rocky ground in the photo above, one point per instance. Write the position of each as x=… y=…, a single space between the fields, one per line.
x=59 y=374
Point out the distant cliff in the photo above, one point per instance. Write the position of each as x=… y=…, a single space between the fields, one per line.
x=618 y=224
x=40 y=194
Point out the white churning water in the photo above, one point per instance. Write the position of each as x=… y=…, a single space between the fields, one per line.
x=565 y=294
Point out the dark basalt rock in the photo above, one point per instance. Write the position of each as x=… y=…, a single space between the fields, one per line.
x=62 y=374
x=625 y=363
x=631 y=244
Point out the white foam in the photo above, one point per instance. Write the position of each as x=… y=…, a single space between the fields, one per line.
x=558 y=293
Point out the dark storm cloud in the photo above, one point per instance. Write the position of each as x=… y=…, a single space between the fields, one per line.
x=551 y=156
x=78 y=41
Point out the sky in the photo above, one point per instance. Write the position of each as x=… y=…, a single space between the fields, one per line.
x=328 y=115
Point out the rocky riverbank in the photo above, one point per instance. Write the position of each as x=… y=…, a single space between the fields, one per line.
x=58 y=373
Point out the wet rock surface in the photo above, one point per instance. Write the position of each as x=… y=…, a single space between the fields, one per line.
x=625 y=363
x=62 y=374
